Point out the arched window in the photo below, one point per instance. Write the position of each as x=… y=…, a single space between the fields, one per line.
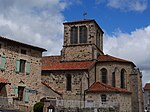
x=104 y=75
x=83 y=34
x=122 y=78
x=113 y=79
x=74 y=35
x=68 y=82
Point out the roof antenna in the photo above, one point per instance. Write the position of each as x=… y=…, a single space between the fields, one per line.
x=84 y=15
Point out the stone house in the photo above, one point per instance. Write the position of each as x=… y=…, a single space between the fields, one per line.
x=84 y=73
x=20 y=74
x=147 y=96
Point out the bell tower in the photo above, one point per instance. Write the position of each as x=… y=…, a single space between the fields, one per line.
x=83 y=41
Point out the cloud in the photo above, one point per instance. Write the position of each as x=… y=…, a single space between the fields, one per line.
x=33 y=22
x=126 y=5
x=134 y=46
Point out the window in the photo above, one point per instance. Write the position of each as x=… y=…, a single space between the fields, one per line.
x=0 y=46
x=104 y=75
x=113 y=79
x=83 y=34
x=122 y=77
x=68 y=82
x=74 y=35
x=103 y=98
x=22 y=66
x=23 y=51
x=20 y=93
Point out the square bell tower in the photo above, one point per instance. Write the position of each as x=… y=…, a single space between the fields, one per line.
x=83 y=41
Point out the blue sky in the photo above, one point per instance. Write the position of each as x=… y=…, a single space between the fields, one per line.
x=110 y=18
x=126 y=24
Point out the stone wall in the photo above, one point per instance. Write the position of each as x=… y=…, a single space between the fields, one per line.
x=57 y=81
x=121 y=100
x=86 y=51
x=115 y=67
x=31 y=81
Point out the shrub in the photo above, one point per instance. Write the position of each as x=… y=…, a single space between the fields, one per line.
x=38 y=107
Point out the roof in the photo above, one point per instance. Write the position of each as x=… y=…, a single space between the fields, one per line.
x=147 y=86
x=3 y=80
x=99 y=87
x=51 y=88
x=82 y=21
x=54 y=63
x=20 y=43
x=108 y=58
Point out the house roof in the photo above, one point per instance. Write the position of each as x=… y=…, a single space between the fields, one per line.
x=3 y=80
x=54 y=63
x=108 y=58
x=99 y=87
x=20 y=43
x=147 y=86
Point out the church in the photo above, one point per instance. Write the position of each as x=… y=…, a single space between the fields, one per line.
x=83 y=76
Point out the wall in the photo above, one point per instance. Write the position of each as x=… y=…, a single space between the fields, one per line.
x=86 y=51
x=31 y=81
x=57 y=81
x=121 y=100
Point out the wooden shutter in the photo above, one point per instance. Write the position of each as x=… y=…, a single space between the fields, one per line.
x=3 y=63
x=27 y=67
x=16 y=90
x=26 y=95
x=17 y=65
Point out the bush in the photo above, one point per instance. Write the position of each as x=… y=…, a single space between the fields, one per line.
x=38 y=107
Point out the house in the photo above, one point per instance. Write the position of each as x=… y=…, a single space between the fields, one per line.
x=20 y=74
x=147 y=96
x=86 y=77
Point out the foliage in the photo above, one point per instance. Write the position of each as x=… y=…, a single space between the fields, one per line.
x=38 y=107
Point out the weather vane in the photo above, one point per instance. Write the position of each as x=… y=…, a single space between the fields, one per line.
x=84 y=14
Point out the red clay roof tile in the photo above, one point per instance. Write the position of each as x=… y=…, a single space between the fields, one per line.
x=108 y=58
x=54 y=63
x=147 y=86
x=99 y=87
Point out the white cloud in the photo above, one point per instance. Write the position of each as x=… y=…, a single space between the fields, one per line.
x=126 y=5
x=134 y=46
x=33 y=22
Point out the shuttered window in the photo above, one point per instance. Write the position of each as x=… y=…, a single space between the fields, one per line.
x=74 y=35
x=83 y=34
x=2 y=62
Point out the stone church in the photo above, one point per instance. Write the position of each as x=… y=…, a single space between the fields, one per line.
x=84 y=77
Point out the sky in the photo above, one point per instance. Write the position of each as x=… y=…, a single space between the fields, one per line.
x=126 y=25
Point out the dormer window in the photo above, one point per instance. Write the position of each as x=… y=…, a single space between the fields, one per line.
x=78 y=35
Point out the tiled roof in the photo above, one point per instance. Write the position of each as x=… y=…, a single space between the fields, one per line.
x=108 y=58
x=99 y=87
x=51 y=88
x=147 y=86
x=20 y=43
x=3 y=80
x=54 y=63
